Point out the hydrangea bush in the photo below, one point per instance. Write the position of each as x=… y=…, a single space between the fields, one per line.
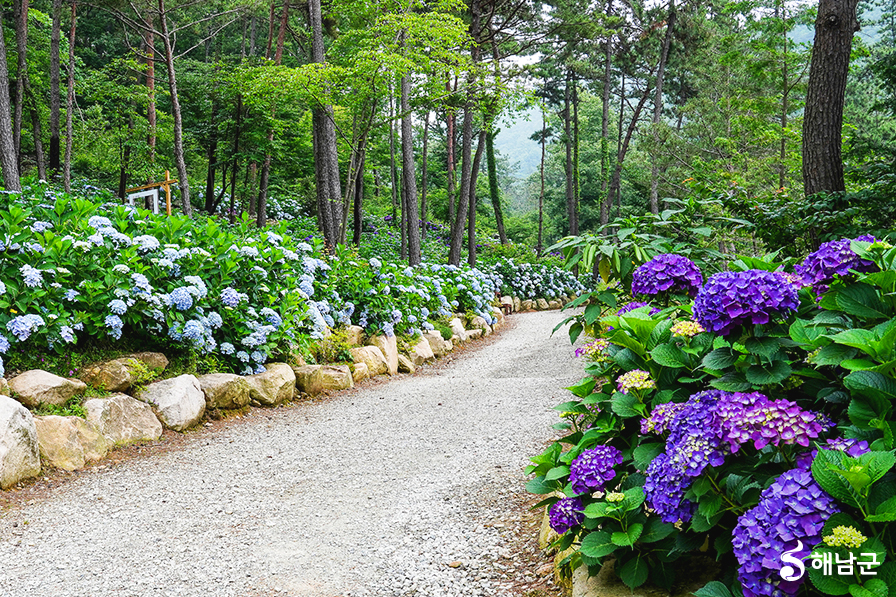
x=756 y=420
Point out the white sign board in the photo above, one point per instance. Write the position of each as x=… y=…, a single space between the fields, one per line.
x=154 y=193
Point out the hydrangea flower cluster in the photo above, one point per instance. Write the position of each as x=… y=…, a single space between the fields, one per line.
x=594 y=350
x=732 y=299
x=635 y=380
x=565 y=514
x=845 y=536
x=793 y=509
x=852 y=447
x=686 y=329
x=534 y=280
x=709 y=426
x=667 y=273
x=832 y=259
x=593 y=468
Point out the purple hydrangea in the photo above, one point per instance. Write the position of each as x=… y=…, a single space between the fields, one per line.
x=731 y=299
x=708 y=427
x=852 y=447
x=565 y=514
x=593 y=468
x=635 y=305
x=834 y=258
x=668 y=272
x=791 y=510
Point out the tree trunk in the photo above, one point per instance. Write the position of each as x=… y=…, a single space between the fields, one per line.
x=7 y=144
x=409 y=174
x=21 y=75
x=575 y=157
x=568 y=165
x=424 y=176
x=493 y=190
x=544 y=138
x=823 y=121
x=393 y=173
x=471 y=219
x=179 y=159
x=39 y=158
x=326 y=160
x=261 y=218
x=449 y=141
x=149 y=40
x=359 y=203
x=55 y=82
x=658 y=110
x=69 y=102
x=125 y=160
x=605 y=127
x=623 y=146
x=785 y=96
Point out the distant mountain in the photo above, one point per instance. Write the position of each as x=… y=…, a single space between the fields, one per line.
x=513 y=142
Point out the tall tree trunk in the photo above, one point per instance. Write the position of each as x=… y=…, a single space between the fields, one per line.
x=212 y=155
x=568 y=164
x=326 y=160
x=21 y=75
x=179 y=159
x=605 y=126
x=785 y=97
x=39 y=158
x=69 y=102
x=8 y=161
x=823 y=120
x=55 y=82
x=623 y=146
x=544 y=138
x=393 y=173
x=231 y=214
x=149 y=40
x=262 y=215
x=359 y=203
x=575 y=155
x=449 y=139
x=457 y=225
x=471 y=218
x=493 y=190
x=125 y=159
x=424 y=175
x=658 y=110
x=409 y=174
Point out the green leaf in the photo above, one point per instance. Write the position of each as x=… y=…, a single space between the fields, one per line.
x=764 y=346
x=539 y=487
x=558 y=472
x=583 y=388
x=713 y=589
x=861 y=300
x=627 y=538
x=575 y=331
x=824 y=471
x=644 y=454
x=656 y=530
x=830 y=584
x=626 y=405
x=597 y=544
x=634 y=572
x=668 y=355
x=720 y=358
x=871 y=383
x=596 y=510
x=803 y=334
x=886 y=512
x=762 y=375
x=833 y=354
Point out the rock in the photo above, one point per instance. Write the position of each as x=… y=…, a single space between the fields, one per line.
x=224 y=390
x=177 y=402
x=517 y=304
x=4 y=387
x=372 y=357
x=555 y=304
x=276 y=384
x=123 y=420
x=499 y=315
x=455 y=564
x=308 y=379
x=117 y=375
x=35 y=387
x=354 y=335
x=420 y=352
x=527 y=305
x=337 y=377
x=479 y=323
x=69 y=442
x=405 y=365
x=474 y=334
x=388 y=345
x=458 y=330
x=19 y=449
x=541 y=304
x=438 y=345
x=507 y=300
x=455 y=340
x=360 y=372
x=155 y=361
x=546 y=535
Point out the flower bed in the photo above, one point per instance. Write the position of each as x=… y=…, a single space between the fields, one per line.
x=756 y=419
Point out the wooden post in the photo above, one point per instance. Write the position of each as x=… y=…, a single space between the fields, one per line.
x=168 y=192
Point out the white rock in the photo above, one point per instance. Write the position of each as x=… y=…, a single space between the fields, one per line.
x=36 y=386
x=458 y=330
x=178 y=402
x=439 y=346
x=224 y=390
x=373 y=357
x=69 y=442
x=388 y=345
x=19 y=448
x=421 y=352
x=275 y=385
x=123 y=420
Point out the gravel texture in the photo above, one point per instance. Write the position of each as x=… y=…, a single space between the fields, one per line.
x=391 y=489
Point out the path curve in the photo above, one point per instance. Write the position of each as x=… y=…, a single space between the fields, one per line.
x=370 y=492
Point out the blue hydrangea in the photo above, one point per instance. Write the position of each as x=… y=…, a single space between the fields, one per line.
x=4 y=344
x=39 y=227
x=227 y=348
x=258 y=356
x=272 y=317
x=214 y=320
x=193 y=330
x=243 y=356
x=833 y=259
x=230 y=297
x=118 y=307
x=114 y=323
x=67 y=333
x=566 y=513
x=181 y=299
x=593 y=468
x=99 y=222
x=32 y=277
x=24 y=325
x=668 y=272
x=729 y=300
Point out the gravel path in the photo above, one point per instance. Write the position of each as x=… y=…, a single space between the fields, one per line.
x=388 y=490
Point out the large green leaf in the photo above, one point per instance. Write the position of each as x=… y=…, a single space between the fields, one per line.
x=626 y=405
x=597 y=544
x=669 y=355
x=720 y=359
x=773 y=373
x=628 y=537
x=634 y=572
x=713 y=589
x=833 y=354
x=656 y=530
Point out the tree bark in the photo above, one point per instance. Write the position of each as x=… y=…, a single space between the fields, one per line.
x=7 y=144
x=409 y=174
x=471 y=219
x=825 y=96
x=424 y=175
x=39 y=156
x=55 y=82
x=149 y=40
x=493 y=190
x=658 y=110
x=571 y=214
x=623 y=146
x=179 y=159
x=605 y=126
x=359 y=203
x=125 y=160
x=21 y=75
x=261 y=218
x=69 y=102
x=544 y=137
